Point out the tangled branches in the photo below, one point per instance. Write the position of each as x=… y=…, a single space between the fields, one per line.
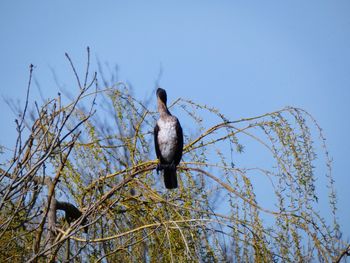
x=93 y=159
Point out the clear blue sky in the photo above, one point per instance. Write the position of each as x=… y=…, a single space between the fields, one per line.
x=244 y=57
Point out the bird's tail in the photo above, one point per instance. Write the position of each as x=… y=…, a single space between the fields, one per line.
x=170 y=179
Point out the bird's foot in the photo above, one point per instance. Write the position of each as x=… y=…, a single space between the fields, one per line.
x=161 y=167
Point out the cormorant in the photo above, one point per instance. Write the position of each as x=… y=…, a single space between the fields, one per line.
x=168 y=140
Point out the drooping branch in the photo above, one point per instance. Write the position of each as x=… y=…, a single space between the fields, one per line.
x=345 y=252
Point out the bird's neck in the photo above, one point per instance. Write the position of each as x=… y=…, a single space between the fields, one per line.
x=163 y=109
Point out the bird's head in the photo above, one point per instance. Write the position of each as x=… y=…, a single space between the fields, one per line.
x=161 y=95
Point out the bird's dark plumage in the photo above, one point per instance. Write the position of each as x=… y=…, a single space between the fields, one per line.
x=168 y=139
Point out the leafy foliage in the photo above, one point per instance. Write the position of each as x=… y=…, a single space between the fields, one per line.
x=96 y=153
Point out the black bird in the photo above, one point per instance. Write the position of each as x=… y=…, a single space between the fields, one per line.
x=168 y=140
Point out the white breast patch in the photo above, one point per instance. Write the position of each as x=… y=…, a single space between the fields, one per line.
x=167 y=138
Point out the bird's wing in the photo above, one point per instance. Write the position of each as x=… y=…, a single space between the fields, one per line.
x=156 y=145
x=180 y=143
